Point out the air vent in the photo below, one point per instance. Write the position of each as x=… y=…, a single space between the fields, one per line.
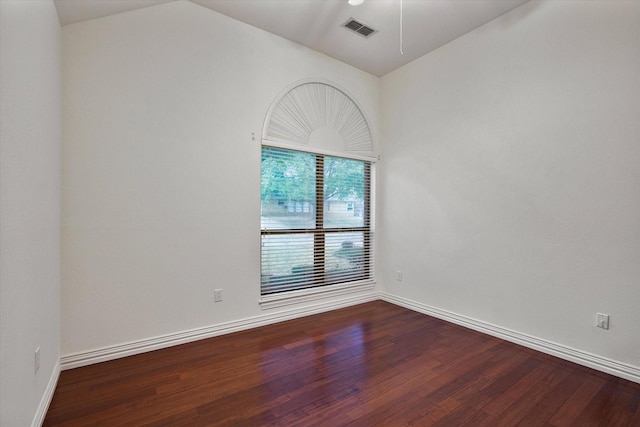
x=359 y=27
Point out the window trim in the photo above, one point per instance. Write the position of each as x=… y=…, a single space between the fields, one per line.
x=283 y=299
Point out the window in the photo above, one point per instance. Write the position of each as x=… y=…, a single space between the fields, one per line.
x=304 y=243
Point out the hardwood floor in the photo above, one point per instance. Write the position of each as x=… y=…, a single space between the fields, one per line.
x=374 y=364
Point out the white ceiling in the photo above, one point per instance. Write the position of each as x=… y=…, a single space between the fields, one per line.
x=427 y=24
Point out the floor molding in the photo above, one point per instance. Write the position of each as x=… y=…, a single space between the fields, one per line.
x=43 y=407
x=599 y=363
x=104 y=354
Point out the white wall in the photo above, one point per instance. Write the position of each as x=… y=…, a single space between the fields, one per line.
x=161 y=197
x=30 y=135
x=511 y=176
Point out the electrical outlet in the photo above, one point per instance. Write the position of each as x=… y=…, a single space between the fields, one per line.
x=399 y=275
x=217 y=295
x=37 y=359
x=602 y=321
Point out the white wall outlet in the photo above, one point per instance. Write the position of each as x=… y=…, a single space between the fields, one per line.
x=37 y=359
x=399 y=275
x=217 y=295
x=602 y=321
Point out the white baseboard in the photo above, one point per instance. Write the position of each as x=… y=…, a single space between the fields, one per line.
x=622 y=370
x=141 y=346
x=43 y=407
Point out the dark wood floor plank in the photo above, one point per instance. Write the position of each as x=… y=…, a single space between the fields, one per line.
x=598 y=409
x=577 y=401
x=374 y=364
x=518 y=391
x=519 y=410
x=629 y=404
x=554 y=398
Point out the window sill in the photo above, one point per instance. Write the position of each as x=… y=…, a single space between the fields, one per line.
x=306 y=295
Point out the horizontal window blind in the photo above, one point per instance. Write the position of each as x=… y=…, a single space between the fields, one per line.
x=315 y=220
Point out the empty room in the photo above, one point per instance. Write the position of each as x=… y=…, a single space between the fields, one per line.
x=320 y=212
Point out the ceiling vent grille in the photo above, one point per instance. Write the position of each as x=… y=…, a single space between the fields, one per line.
x=359 y=27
